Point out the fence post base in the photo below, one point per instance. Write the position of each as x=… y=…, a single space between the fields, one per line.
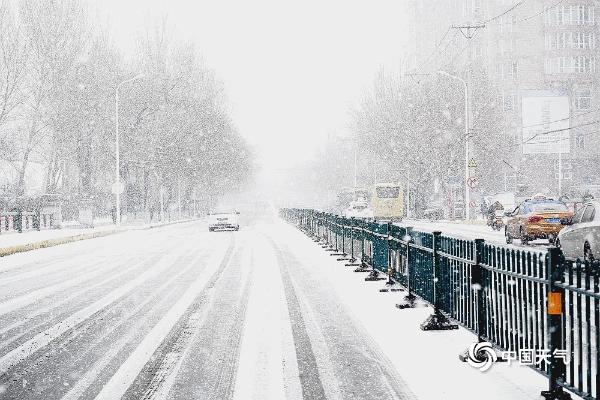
x=409 y=302
x=362 y=267
x=391 y=285
x=438 y=322
x=374 y=276
x=556 y=394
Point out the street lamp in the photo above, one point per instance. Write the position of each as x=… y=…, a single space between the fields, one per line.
x=467 y=189
x=118 y=187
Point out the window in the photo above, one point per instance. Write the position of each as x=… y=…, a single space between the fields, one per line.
x=580 y=142
x=514 y=70
x=584 y=40
x=578 y=14
x=570 y=15
x=562 y=15
x=584 y=64
x=583 y=99
x=578 y=214
x=563 y=65
x=589 y=16
x=388 y=192
x=588 y=214
x=509 y=101
x=544 y=206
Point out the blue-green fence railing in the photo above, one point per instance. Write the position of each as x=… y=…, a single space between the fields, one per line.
x=501 y=293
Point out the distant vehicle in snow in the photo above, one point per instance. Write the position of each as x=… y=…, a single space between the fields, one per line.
x=581 y=236
x=536 y=218
x=348 y=195
x=388 y=202
x=358 y=209
x=223 y=219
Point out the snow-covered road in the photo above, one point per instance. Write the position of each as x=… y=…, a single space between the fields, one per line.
x=181 y=313
x=469 y=231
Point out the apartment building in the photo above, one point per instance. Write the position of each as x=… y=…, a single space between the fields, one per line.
x=542 y=57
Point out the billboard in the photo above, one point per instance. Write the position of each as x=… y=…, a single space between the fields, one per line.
x=545 y=123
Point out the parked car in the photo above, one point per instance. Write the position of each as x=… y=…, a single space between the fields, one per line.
x=223 y=220
x=536 y=218
x=581 y=236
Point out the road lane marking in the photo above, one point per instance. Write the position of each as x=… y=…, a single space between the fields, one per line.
x=118 y=384
x=96 y=368
x=42 y=339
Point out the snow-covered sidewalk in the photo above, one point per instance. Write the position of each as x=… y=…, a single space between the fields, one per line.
x=427 y=361
x=14 y=240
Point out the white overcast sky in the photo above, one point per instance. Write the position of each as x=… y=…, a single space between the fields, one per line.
x=292 y=70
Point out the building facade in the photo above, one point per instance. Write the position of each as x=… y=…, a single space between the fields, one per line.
x=543 y=59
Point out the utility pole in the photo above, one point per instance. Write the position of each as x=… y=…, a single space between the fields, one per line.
x=560 y=173
x=407 y=192
x=355 y=166
x=468 y=31
x=118 y=186
x=179 y=198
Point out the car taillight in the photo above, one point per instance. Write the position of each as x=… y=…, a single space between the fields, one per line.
x=534 y=218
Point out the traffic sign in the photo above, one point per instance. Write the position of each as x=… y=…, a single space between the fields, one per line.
x=565 y=175
x=472 y=163
x=472 y=182
x=117 y=187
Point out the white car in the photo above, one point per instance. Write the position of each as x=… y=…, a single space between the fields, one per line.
x=223 y=220
x=580 y=238
x=358 y=209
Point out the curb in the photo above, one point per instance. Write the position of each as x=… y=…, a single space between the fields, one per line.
x=21 y=248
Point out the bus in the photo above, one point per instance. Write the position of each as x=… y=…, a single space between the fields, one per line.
x=388 y=202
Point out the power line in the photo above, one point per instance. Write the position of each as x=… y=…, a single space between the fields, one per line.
x=566 y=138
x=541 y=12
x=562 y=119
x=437 y=46
x=514 y=6
x=559 y=130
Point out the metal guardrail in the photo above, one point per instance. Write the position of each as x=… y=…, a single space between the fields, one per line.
x=20 y=221
x=520 y=300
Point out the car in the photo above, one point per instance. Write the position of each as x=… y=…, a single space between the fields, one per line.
x=359 y=209
x=580 y=239
x=223 y=219
x=536 y=218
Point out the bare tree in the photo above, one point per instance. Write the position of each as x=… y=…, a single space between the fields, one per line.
x=13 y=57
x=54 y=33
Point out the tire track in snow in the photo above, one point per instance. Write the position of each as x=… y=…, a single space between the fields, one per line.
x=32 y=296
x=310 y=380
x=60 y=362
x=174 y=351
x=135 y=365
x=93 y=371
x=354 y=355
x=32 y=328
x=42 y=339
x=27 y=317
